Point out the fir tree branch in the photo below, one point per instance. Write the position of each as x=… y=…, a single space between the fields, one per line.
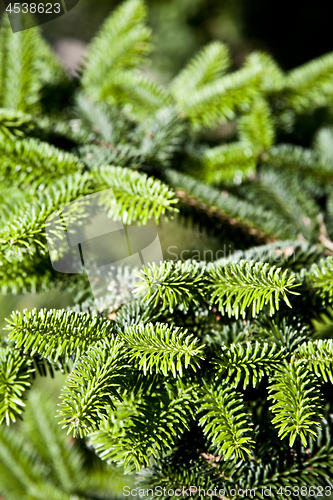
x=310 y=85
x=175 y=284
x=229 y=208
x=318 y=357
x=228 y=161
x=246 y=284
x=257 y=126
x=162 y=348
x=144 y=430
x=95 y=380
x=15 y=373
x=296 y=402
x=138 y=196
x=250 y=361
x=226 y=422
x=321 y=276
x=308 y=162
x=26 y=160
x=56 y=334
x=219 y=100
x=206 y=67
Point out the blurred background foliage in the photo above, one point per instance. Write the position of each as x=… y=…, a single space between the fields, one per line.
x=291 y=32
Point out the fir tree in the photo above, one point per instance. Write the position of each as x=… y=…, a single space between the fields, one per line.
x=218 y=376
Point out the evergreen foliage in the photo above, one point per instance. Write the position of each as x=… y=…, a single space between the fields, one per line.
x=40 y=460
x=217 y=374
